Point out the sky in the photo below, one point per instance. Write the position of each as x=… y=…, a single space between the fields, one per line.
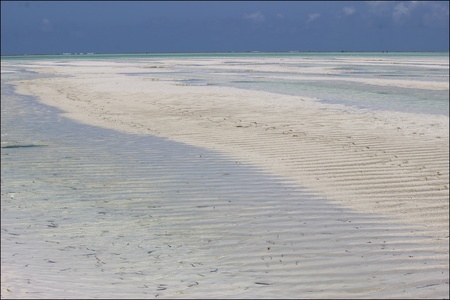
x=52 y=27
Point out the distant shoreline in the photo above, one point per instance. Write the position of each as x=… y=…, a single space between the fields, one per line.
x=87 y=54
x=197 y=114
x=139 y=218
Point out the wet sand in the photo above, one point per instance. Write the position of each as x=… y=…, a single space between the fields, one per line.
x=374 y=178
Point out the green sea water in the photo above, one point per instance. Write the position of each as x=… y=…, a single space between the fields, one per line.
x=221 y=55
x=335 y=88
x=94 y=213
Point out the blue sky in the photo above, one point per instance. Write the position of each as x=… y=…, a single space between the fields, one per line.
x=40 y=27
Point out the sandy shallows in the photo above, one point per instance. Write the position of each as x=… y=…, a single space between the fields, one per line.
x=385 y=162
x=385 y=174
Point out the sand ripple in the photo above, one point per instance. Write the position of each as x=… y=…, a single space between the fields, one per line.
x=308 y=200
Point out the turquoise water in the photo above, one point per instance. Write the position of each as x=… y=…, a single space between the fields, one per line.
x=336 y=87
x=225 y=54
x=93 y=213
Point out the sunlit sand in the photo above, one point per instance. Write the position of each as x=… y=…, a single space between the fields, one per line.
x=384 y=175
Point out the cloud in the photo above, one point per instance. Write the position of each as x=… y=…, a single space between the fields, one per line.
x=379 y=8
x=349 y=10
x=402 y=11
x=312 y=17
x=256 y=17
x=436 y=16
x=46 y=25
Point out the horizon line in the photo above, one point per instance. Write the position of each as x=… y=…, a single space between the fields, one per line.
x=221 y=52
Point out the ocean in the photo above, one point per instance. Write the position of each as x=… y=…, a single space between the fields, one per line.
x=299 y=78
x=91 y=212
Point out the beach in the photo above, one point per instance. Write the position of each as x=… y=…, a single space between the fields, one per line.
x=374 y=218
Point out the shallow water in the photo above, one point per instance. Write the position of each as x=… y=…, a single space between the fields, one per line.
x=415 y=66
x=89 y=212
x=343 y=91
x=336 y=87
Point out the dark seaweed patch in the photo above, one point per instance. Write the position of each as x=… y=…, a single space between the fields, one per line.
x=22 y=146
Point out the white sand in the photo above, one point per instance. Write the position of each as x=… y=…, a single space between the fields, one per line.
x=387 y=163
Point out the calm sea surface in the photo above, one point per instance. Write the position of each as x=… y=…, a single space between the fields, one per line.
x=333 y=87
x=90 y=212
